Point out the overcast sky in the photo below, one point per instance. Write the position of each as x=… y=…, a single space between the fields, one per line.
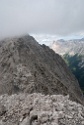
x=60 y=17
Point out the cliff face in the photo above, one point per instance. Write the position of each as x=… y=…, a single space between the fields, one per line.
x=26 y=66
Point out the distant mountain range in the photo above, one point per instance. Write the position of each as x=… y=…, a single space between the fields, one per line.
x=73 y=53
x=72 y=47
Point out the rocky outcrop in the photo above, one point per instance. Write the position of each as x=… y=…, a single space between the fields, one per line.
x=37 y=109
x=26 y=66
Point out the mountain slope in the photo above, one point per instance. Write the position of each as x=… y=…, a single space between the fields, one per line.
x=73 y=52
x=26 y=66
x=76 y=64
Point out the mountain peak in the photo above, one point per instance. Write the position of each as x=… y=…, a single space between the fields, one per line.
x=26 y=66
x=61 y=40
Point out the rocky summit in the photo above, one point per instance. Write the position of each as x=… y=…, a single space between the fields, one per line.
x=28 y=67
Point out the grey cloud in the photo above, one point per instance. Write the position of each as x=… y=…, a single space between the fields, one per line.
x=61 y=17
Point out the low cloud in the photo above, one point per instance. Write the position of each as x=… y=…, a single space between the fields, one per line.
x=60 y=17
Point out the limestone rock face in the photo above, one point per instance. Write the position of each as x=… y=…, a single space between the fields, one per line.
x=38 y=109
x=27 y=67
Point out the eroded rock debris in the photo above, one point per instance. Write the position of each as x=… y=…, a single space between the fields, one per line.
x=38 y=109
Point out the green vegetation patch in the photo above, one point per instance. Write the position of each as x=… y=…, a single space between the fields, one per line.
x=76 y=65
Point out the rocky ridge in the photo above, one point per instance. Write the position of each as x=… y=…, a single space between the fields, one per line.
x=32 y=77
x=28 y=67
